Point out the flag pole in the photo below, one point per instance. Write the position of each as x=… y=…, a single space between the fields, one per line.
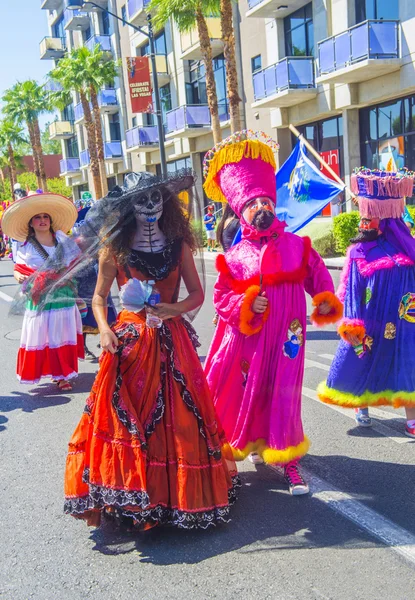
x=321 y=160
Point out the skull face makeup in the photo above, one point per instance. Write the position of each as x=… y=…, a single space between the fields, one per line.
x=148 y=207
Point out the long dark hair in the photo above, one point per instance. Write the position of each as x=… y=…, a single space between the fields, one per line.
x=174 y=223
x=227 y=214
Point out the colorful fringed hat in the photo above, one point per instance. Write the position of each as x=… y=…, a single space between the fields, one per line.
x=381 y=194
x=241 y=168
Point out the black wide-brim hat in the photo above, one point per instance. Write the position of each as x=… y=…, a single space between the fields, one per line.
x=103 y=217
x=141 y=182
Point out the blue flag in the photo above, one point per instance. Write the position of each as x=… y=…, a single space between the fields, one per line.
x=302 y=190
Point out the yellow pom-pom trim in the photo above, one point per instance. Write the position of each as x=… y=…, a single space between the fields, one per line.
x=234 y=153
x=385 y=398
x=272 y=455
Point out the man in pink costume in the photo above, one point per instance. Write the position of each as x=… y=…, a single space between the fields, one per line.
x=255 y=364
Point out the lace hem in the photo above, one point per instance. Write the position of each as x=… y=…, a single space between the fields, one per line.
x=100 y=496
x=157 y=515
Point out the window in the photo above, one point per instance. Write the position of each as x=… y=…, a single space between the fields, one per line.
x=124 y=14
x=376 y=9
x=196 y=88
x=134 y=122
x=105 y=22
x=388 y=135
x=115 y=128
x=87 y=34
x=256 y=63
x=68 y=113
x=111 y=182
x=159 y=44
x=299 y=32
x=72 y=149
x=59 y=29
x=177 y=165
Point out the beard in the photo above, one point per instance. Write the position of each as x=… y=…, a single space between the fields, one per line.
x=365 y=235
x=263 y=219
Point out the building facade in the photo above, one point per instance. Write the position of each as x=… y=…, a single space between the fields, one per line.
x=341 y=71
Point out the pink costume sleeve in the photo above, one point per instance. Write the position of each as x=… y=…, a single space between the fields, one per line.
x=319 y=285
x=236 y=309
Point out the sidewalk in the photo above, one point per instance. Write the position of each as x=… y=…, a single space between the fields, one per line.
x=336 y=263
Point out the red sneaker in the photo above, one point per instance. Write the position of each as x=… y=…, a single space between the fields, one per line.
x=296 y=483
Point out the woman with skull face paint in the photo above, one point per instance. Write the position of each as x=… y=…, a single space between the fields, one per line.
x=149 y=449
x=256 y=361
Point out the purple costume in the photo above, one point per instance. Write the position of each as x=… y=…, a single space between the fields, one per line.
x=378 y=290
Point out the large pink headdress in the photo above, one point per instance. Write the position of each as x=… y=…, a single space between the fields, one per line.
x=381 y=194
x=241 y=168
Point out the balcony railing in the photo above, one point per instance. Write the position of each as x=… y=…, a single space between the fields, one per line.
x=85 y=159
x=61 y=130
x=76 y=20
x=79 y=112
x=141 y=136
x=192 y=117
x=112 y=150
x=136 y=11
x=52 y=48
x=189 y=116
x=52 y=86
x=69 y=165
x=368 y=40
x=288 y=73
x=104 y=42
x=106 y=99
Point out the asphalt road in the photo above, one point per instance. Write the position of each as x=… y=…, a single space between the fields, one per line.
x=353 y=538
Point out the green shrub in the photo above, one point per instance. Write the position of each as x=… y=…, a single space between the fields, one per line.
x=325 y=245
x=345 y=227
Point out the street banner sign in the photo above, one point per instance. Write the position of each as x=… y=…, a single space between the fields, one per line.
x=139 y=84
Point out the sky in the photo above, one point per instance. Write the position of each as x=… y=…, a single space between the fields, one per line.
x=23 y=25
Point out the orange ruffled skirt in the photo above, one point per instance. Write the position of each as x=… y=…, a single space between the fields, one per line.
x=148 y=446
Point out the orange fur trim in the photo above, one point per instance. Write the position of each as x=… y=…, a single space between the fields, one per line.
x=247 y=314
x=336 y=309
x=239 y=286
x=346 y=329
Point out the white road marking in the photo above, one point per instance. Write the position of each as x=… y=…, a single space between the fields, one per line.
x=388 y=432
x=6 y=297
x=313 y=363
x=395 y=537
x=328 y=356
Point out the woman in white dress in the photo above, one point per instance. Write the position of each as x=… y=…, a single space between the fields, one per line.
x=51 y=340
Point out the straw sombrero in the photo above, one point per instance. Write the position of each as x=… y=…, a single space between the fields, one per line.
x=15 y=221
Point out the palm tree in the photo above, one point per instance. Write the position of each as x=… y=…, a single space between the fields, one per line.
x=188 y=14
x=11 y=137
x=87 y=72
x=98 y=73
x=228 y=38
x=70 y=74
x=24 y=103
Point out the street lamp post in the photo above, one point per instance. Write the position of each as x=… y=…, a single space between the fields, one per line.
x=78 y=5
